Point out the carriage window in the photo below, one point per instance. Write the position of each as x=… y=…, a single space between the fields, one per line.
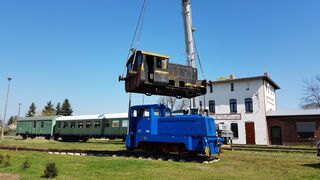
x=124 y=123
x=115 y=123
x=97 y=124
x=106 y=123
x=34 y=124
x=42 y=124
x=80 y=124
x=65 y=124
x=88 y=124
x=73 y=125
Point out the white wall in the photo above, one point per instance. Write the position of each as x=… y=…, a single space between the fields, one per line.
x=252 y=88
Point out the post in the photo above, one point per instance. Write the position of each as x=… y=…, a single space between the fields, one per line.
x=5 y=109
x=19 y=110
x=188 y=30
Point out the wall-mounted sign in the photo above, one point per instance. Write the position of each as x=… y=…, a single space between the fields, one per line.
x=227 y=116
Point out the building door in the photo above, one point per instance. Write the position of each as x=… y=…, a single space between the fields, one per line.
x=276 y=138
x=250 y=133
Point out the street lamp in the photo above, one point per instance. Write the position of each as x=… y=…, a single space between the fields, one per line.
x=5 y=109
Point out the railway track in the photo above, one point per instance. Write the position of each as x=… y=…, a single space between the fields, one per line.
x=270 y=149
x=120 y=153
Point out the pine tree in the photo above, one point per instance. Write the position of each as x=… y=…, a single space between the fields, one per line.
x=58 y=109
x=32 y=110
x=12 y=120
x=48 y=110
x=66 y=108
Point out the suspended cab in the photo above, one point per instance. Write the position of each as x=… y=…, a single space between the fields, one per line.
x=152 y=74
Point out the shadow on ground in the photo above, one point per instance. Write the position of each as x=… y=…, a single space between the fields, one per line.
x=316 y=165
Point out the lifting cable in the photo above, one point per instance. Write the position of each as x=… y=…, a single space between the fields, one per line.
x=138 y=30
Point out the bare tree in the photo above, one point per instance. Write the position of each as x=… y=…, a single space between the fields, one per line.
x=311 y=98
x=168 y=101
x=174 y=103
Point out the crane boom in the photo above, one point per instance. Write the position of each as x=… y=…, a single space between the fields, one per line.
x=188 y=30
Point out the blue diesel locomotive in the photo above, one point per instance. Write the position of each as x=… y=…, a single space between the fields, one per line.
x=152 y=128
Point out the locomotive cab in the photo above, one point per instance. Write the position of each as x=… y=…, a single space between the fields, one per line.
x=150 y=73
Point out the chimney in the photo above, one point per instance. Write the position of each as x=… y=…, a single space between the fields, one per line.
x=265 y=73
x=231 y=77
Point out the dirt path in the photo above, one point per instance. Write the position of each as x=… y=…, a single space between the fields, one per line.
x=6 y=176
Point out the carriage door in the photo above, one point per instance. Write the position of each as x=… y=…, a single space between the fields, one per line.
x=276 y=138
x=143 y=121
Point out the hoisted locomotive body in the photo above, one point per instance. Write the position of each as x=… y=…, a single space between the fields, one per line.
x=152 y=74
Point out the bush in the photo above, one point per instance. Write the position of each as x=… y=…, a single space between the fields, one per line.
x=5 y=160
x=51 y=170
x=25 y=164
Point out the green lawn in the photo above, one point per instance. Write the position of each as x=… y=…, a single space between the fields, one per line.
x=233 y=165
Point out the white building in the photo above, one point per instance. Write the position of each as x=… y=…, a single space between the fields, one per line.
x=241 y=105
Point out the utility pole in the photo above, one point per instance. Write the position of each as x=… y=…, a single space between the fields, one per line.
x=19 y=109
x=5 y=109
x=188 y=30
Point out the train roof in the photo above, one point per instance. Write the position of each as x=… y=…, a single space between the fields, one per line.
x=40 y=118
x=96 y=116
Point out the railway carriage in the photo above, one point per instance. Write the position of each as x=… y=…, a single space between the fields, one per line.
x=36 y=126
x=75 y=128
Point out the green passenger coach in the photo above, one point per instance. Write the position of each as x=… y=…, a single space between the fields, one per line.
x=32 y=127
x=75 y=128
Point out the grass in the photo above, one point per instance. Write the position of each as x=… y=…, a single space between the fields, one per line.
x=233 y=165
x=51 y=144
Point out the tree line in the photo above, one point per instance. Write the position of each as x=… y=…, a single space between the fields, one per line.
x=49 y=109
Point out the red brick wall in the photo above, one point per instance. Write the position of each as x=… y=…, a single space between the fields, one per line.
x=289 y=131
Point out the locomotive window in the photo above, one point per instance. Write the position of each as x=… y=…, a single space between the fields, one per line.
x=88 y=124
x=115 y=123
x=156 y=112
x=73 y=125
x=80 y=124
x=134 y=113
x=146 y=113
x=42 y=124
x=161 y=63
x=97 y=124
x=65 y=124
x=34 y=124
x=124 y=123
x=106 y=123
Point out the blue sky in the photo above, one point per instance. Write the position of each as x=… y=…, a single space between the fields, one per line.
x=76 y=49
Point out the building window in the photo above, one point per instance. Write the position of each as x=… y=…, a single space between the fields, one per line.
x=248 y=104
x=306 y=129
x=211 y=88
x=73 y=125
x=233 y=106
x=212 y=106
x=232 y=86
x=42 y=124
x=200 y=104
x=234 y=129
